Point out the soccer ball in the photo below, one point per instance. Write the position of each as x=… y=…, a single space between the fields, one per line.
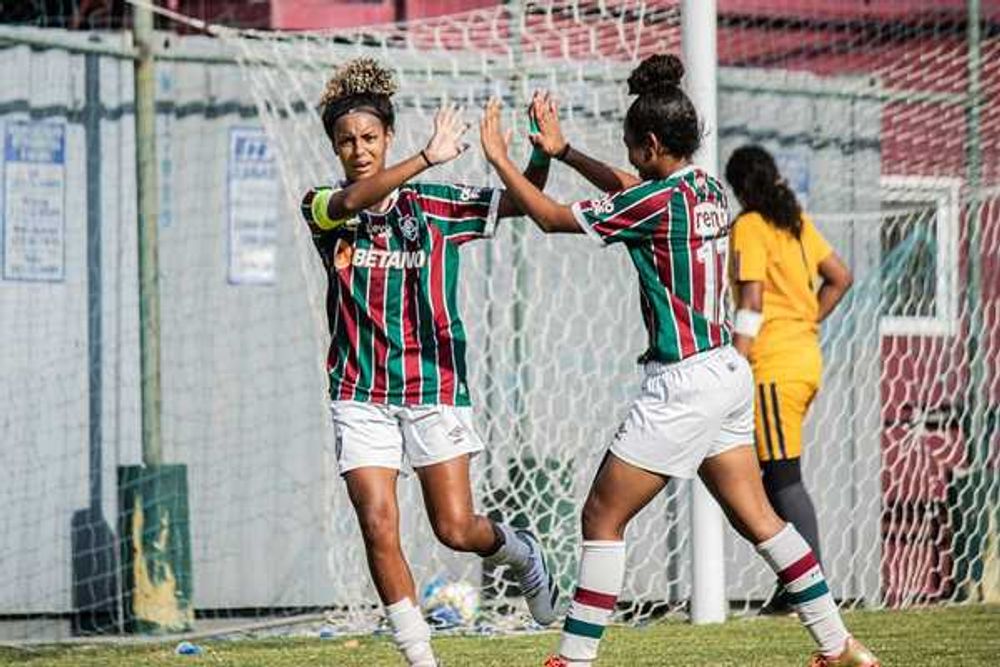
x=449 y=604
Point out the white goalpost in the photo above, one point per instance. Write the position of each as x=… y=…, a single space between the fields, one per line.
x=708 y=572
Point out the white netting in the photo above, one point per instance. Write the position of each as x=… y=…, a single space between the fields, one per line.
x=870 y=114
x=552 y=357
x=880 y=126
x=550 y=362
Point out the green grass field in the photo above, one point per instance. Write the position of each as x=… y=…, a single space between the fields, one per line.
x=964 y=637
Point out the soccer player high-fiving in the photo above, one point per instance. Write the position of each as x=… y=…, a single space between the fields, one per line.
x=396 y=362
x=694 y=415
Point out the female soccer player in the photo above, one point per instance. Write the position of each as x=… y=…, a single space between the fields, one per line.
x=397 y=355
x=780 y=258
x=695 y=412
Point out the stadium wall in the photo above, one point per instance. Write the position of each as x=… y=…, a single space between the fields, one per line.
x=248 y=428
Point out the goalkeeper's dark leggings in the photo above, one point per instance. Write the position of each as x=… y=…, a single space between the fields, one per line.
x=791 y=501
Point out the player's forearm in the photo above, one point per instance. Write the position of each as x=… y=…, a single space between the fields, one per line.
x=749 y=316
x=604 y=176
x=837 y=279
x=537 y=173
x=549 y=215
x=359 y=195
x=830 y=294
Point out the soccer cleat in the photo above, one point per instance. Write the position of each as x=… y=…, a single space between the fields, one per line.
x=555 y=661
x=853 y=655
x=538 y=586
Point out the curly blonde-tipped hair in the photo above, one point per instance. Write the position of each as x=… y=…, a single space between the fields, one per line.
x=361 y=76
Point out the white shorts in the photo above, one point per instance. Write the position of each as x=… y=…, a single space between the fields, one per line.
x=384 y=436
x=687 y=412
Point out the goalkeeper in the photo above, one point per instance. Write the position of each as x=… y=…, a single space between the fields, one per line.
x=396 y=360
x=788 y=280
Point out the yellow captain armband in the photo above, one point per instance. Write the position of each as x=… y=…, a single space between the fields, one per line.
x=315 y=207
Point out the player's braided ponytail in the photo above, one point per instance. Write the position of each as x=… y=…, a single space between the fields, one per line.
x=361 y=84
x=754 y=177
x=661 y=107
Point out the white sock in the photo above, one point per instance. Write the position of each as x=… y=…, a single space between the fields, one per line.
x=513 y=551
x=411 y=633
x=793 y=561
x=602 y=571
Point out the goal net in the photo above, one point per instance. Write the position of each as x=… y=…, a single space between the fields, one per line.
x=885 y=121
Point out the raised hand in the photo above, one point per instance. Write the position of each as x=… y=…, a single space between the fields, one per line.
x=449 y=129
x=495 y=141
x=549 y=137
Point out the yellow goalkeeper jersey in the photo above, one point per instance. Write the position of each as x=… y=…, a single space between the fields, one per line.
x=787 y=347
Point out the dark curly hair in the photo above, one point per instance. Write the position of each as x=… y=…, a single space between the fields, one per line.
x=361 y=84
x=754 y=177
x=661 y=107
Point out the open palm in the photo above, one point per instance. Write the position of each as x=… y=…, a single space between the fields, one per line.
x=447 y=141
x=549 y=137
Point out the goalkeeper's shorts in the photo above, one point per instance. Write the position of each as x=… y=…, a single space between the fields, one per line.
x=687 y=412
x=780 y=410
x=390 y=436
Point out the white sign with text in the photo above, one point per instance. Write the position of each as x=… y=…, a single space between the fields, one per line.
x=34 y=201
x=254 y=207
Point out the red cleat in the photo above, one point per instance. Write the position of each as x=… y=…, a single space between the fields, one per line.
x=554 y=661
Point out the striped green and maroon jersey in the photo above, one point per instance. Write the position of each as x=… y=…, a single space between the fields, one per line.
x=676 y=230
x=392 y=306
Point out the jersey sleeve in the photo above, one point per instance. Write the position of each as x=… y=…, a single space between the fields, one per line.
x=816 y=247
x=749 y=248
x=462 y=213
x=626 y=216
